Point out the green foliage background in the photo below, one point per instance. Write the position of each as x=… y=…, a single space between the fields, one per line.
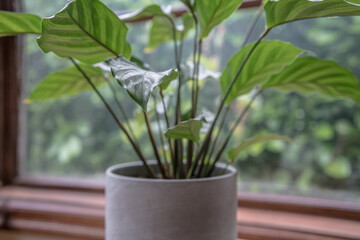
x=75 y=137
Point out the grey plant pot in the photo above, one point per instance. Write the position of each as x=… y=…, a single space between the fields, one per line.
x=153 y=209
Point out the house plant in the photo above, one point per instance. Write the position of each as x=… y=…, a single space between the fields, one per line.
x=87 y=32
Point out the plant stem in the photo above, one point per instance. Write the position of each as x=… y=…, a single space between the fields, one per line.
x=122 y=111
x=195 y=50
x=167 y=123
x=190 y=148
x=197 y=77
x=168 y=126
x=165 y=111
x=251 y=26
x=178 y=143
x=205 y=145
x=161 y=135
x=231 y=132
x=154 y=145
x=176 y=54
x=117 y=120
x=246 y=38
x=223 y=120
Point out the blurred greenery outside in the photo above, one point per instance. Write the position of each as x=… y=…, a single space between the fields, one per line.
x=76 y=137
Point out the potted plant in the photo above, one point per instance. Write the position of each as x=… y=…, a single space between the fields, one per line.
x=185 y=193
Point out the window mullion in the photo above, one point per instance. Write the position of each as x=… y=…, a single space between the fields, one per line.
x=9 y=101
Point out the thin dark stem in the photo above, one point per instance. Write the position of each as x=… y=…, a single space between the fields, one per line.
x=178 y=152
x=154 y=145
x=190 y=148
x=197 y=77
x=190 y=151
x=231 y=132
x=181 y=47
x=205 y=145
x=165 y=111
x=122 y=111
x=247 y=36
x=178 y=95
x=251 y=26
x=223 y=120
x=195 y=50
x=168 y=126
x=117 y=120
x=161 y=135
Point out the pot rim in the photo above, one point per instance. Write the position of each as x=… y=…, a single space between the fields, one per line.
x=231 y=172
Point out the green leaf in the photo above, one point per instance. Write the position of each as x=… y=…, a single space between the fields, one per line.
x=66 y=83
x=188 y=23
x=138 y=82
x=18 y=23
x=279 y=12
x=189 y=129
x=212 y=13
x=260 y=138
x=86 y=30
x=267 y=59
x=161 y=31
x=309 y=74
x=147 y=12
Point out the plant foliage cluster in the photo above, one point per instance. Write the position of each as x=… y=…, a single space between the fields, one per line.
x=94 y=39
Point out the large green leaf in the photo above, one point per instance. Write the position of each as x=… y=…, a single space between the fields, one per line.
x=267 y=59
x=260 y=138
x=161 y=31
x=212 y=12
x=86 y=30
x=309 y=74
x=283 y=11
x=17 y=23
x=66 y=83
x=138 y=82
x=146 y=12
x=189 y=129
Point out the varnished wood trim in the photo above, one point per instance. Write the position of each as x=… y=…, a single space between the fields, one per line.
x=61 y=184
x=260 y=232
x=81 y=214
x=9 y=102
x=303 y=205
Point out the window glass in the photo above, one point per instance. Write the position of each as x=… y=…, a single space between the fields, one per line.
x=75 y=137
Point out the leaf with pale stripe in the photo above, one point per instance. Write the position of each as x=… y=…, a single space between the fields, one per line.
x=139 y=82
x=267 y=59
x=86 y=30
x=146 y=12
x=283 y=11
x=161 y=31
x=212 y=12
x=68 y=82
x=18 y=23
x=260 y=138
x=189 y=129
x=308 y=74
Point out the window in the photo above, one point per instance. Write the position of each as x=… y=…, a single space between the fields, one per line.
x=75 y=207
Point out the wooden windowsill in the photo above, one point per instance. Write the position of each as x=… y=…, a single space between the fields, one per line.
x=68 y=213
x=21 y=235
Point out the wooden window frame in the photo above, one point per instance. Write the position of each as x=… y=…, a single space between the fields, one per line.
x=76 y=208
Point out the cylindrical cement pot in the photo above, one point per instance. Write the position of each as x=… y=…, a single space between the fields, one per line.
x=155 y=209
